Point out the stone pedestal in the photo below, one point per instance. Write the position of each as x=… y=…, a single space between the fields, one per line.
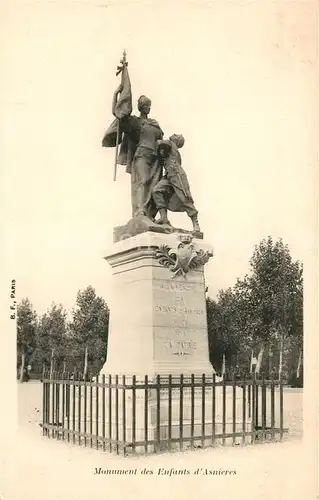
x=158 y=322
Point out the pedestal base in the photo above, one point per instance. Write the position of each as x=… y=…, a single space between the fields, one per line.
x=192 y=420
x=142 y=224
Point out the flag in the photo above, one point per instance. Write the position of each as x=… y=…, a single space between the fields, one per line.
x=123 y=106
x=259 y=360
x=299 y=365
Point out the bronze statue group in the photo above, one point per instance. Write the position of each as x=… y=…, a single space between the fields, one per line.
x=158 y=181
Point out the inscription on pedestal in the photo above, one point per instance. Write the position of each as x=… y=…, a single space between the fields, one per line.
x=180 y=321
x=179 y=304
x=172 y=343
x=179 y=344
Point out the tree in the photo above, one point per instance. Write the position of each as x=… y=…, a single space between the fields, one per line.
x=223 y=321
x=89 y=328
x=276 y=296
x=262 y=311
x=51 y=337
x=26 y=328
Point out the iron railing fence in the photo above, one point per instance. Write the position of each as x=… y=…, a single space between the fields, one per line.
x=129 y=415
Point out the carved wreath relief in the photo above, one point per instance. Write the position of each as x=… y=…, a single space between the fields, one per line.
x=183 y=258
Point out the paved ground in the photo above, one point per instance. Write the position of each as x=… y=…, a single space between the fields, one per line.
x=38 y=468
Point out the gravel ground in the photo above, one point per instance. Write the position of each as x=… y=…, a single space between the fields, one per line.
x=41 y=469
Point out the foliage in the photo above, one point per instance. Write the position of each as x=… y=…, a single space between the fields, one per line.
x=51 y=336
x=265 y=309
x=276 y=291
x=26 y=329
x=53 y=340
x=89 y=327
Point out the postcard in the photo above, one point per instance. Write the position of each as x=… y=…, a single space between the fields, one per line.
x=159 y=219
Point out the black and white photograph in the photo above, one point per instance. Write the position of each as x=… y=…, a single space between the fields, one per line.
x=159 y=295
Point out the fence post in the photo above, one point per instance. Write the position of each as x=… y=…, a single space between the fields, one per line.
x=249 y=398
x=110 y=412
x=44 y=403
x=203 y=408
x=57 y=388
x=63 y=406
x=181 y=410
x=146 y=414
x=68 y=389
x=281 y=402
x=79 y=407
x=73 y=407
x=264 y=408
x=214 y=410
x=234 y=409
x=158 y=412
x=124 y=413
x=103 y=411
x=48 y=403
x=170 y=412
x=256 y=405
x=244 y=409
x=91 y=409
x=117 y=413
x=224 y=412
x=272 y=410
x=253 y=409
x=97 y=389
x=85 y=408
x=192 y=409
x=134 y=414
x=53 y=404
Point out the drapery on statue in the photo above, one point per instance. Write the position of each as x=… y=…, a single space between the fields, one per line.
x=146 y=155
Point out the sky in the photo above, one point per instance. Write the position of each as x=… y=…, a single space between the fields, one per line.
x=237 y=79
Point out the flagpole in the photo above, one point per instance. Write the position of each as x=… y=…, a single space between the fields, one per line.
x=116 y=149
x=119 y=70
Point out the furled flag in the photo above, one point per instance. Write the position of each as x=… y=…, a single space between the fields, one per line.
x=123 y=106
